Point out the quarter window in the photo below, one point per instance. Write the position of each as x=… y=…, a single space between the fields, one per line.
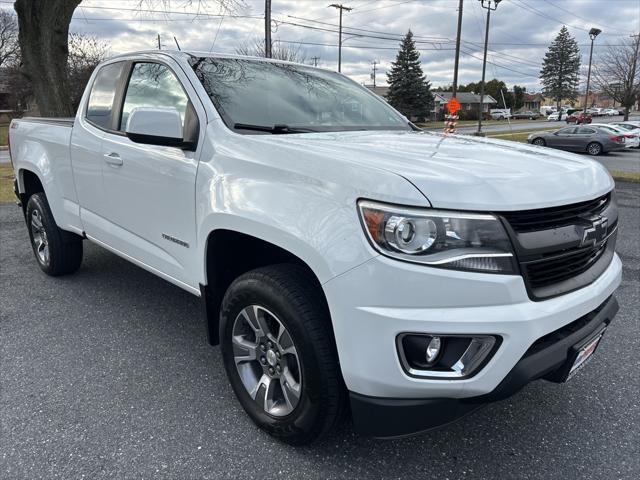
x=153 y=85
x=103 y=91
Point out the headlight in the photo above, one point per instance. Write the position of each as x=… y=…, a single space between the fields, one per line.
x=440 y=238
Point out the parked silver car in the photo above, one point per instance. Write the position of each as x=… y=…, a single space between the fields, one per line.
x=589 y=139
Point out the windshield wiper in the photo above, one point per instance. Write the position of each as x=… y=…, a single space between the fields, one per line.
x=276 y=129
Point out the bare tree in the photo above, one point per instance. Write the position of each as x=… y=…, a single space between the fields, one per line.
x=617 y=73
x=228 y=6
x=279 y=51
x=9 y=49
x=43 y=37
x=85 y=53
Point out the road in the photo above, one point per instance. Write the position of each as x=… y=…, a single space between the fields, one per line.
x=106 y=374
x=524 y=126
x=627 y=160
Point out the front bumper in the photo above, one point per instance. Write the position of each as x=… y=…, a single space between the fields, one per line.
x=372 y=304
x=547 y=358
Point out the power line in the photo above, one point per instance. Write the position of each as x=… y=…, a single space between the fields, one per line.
x=365 y=47
x=149 y=10
x=385 y=6
x=391 y=36
x=498 y=65
x=400 y=35
x=542 y=14
x=578 y=16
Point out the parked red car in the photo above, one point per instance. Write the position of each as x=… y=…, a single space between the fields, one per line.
x=578 y=118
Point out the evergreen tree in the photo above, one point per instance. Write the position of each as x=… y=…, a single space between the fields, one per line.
x=561 y=68
x=409 y=91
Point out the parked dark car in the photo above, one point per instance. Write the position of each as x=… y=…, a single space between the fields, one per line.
x=592 y=140
x=578 y=118
x=526 y=115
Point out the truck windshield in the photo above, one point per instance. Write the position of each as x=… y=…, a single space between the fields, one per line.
x=258 y=97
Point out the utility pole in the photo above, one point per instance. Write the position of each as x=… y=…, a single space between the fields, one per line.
x=373 y=75
x=484 y=60
x=267 y=28
x=159 y=45
x=341 y=8
x=455 y=68
x=315 y=61
x=593 y=33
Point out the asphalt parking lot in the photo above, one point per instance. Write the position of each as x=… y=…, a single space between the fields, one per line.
x=107 y=374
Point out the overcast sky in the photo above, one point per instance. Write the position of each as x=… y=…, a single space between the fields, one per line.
x=519 y=34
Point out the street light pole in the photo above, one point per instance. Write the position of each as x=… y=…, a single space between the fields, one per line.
x=341 y=8
x=489 y=9
x=593 y=33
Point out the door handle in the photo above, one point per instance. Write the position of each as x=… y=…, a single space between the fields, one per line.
x=113 y=159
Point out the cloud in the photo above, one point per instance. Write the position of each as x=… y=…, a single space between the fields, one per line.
x=519 y=34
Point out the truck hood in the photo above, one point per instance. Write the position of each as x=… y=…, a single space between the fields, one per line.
x=463 y=172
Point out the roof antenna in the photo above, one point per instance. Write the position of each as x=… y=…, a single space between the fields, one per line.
x=177 y=44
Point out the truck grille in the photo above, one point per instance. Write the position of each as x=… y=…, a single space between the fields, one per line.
x=547 y=218
x=553 y=247
x=563 y=267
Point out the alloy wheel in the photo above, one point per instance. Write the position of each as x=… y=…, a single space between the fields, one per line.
x=267 y=360
x=40 y=240
x=594 y=149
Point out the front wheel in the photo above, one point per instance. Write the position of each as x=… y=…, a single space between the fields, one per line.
x=594 y=148
x=539 y=141
x=57 y=251
x=280 y=355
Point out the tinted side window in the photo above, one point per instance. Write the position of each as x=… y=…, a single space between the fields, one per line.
x=586 y=130
x=103 y=91
x=567 y=131
x=153 y=85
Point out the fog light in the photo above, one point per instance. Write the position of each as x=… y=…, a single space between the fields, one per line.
x=433 y=349
x=445 y=356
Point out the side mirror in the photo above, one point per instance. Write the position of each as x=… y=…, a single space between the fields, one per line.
x=156 y=126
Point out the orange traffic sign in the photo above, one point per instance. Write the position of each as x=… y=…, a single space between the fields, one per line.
x=453 y=105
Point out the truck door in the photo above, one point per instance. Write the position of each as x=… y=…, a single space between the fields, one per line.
x=86 y=144
x=150 y=189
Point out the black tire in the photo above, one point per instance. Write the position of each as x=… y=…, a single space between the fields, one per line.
x=594 y=149
x=57 y=251
x=295 y=298
x=539 y=141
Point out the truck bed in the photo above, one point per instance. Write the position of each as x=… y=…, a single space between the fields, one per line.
x=41 y=146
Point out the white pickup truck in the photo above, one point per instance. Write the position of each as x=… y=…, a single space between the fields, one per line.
x=346 y=260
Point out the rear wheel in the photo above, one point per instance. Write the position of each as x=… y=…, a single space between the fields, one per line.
x=539 y=141
x=594 y=148
x=57 y=251
x=279 y=353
